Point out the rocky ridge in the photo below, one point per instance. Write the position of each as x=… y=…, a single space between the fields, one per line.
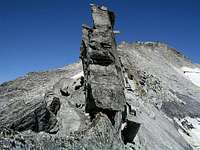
x=131 y=96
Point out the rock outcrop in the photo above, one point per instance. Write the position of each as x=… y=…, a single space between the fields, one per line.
x=102 y=70
x=134 y=96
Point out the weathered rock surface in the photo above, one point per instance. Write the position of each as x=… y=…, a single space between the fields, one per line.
x=153 y=100
x=159 y=92
x=103 y=75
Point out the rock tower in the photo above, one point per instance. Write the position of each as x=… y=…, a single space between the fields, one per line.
x=104 y=83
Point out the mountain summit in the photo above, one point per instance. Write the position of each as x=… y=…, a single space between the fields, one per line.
x=131 y=96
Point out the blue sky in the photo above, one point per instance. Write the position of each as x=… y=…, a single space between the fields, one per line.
x=43 y=34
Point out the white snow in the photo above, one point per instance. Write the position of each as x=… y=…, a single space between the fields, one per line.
x=87 y=114
x=194 y=134
x=193 y=74
x=77 y=76
x=123 y=125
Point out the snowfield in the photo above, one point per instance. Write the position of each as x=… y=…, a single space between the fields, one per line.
x=189 y=128
x=77 y=76
x=193 y=74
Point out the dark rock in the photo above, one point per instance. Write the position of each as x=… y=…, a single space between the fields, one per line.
x=55 y=105
x=64 y=93
x=130 y=131
x=35 y=117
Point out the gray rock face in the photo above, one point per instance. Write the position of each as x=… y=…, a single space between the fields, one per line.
x=104 y=87
x=104 y=83
x=159 y=92
x=137 y=96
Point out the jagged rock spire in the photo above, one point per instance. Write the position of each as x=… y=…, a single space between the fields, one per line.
x=104 y=82
x=104 y=85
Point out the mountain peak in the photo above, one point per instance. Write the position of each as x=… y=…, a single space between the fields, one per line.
x=142 y=95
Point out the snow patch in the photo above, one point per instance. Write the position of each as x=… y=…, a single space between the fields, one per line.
x=123 y=126
x=193 y=74
x=189 y=128
x=77 y=76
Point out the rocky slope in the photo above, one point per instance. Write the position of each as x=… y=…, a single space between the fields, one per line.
x=142 y=95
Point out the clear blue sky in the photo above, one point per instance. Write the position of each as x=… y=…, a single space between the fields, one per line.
x=43 y=34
